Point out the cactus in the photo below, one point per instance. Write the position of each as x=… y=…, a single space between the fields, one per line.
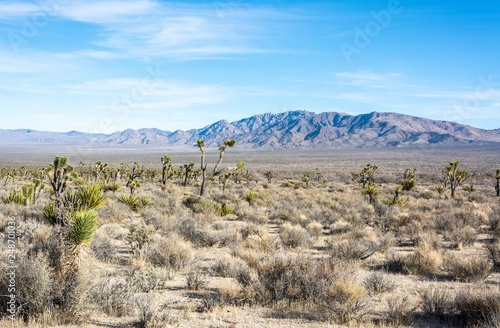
x=454 y=177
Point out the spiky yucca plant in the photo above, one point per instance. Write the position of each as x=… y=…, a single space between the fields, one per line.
x=91 y=196
x=79 y=235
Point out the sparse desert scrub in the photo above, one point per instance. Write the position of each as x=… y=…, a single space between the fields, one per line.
x=252 y=259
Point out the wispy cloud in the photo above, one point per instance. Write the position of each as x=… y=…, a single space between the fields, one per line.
x=367 y=78
x=15 y=9
x=134 y=28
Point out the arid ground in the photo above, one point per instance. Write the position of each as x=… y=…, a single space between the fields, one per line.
x=312 y=238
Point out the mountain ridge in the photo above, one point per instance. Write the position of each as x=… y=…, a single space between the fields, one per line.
x=287 y=130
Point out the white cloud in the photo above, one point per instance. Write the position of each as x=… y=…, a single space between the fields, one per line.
x=15 y=10
x=367 y=78
x=105 y=12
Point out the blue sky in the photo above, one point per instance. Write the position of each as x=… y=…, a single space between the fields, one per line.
x=103 y=66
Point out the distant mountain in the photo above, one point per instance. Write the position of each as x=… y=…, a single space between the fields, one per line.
x=289 y=130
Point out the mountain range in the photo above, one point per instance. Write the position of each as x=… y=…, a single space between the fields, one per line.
x=288 y=130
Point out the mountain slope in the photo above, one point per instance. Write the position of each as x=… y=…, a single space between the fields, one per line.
x=294 y=129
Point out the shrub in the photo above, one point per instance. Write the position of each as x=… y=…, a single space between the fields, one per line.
x=467 y=269
x=103 y=248
x=294 y=236
x=34 y=282
x=151 y=314
x=400 y=311
x=144 y=280
x=436 y=303
x=459 y=237
x=378 y=282
x=172 y=252
x=139 y=235
x=478 y=306
x=425 y=261
x=344 y=301
x=315 y=229
x=353 y=249
x=196 y=280
x=111 y=296
x=494 y=254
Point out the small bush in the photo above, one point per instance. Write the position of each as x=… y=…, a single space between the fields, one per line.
x=294 y=236
x=467 y=269
x=34 y=282
x=196 y=280
x=424 y=261
x=315 y=229
x=459 y=237
x=400 y=311
x=354 y=246
x=172 y=252
x=144 y=280
x=436 y=303
x=111 y=296
x=378 y=282
x=479 y=306
x=140 y=234
x=103 y=248
x=494 y=254
x=151 y=314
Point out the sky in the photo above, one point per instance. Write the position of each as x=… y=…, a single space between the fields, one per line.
x=105 y=66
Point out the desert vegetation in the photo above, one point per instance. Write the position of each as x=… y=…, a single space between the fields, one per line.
x=171 y=244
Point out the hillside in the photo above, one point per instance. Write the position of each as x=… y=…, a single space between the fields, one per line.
x=289 y=130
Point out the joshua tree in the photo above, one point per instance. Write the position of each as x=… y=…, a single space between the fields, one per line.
x=269 y=176
x=305 y=178
x=372 y=191
x=222 y=149
x=100 y=168
x=167 y=169
x=409 y=180
x=367 y=176
x=454 y=176
x=132 y=182
x=187 y=171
